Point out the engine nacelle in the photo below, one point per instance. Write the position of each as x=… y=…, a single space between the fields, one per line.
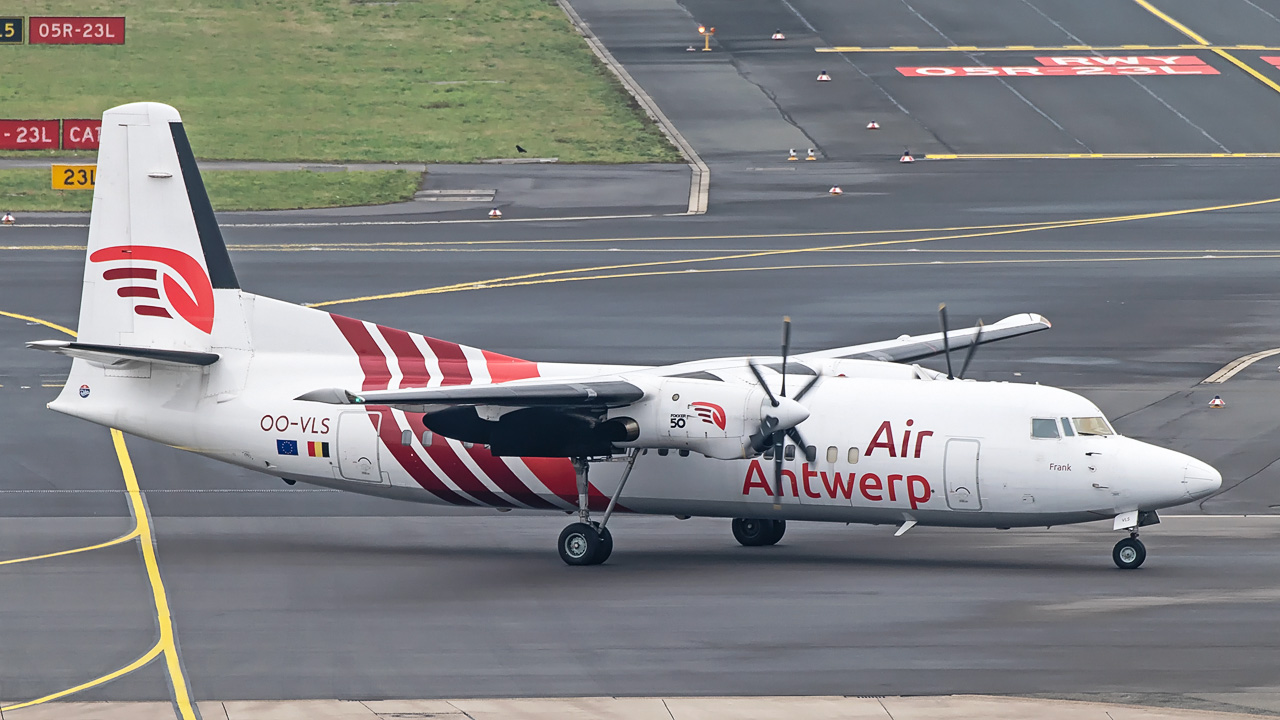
x=716 y=419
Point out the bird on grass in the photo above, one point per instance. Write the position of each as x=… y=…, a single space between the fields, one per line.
x=520 y=149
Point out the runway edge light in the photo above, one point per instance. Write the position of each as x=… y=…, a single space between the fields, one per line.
x=7 y=219
x=906 y=157
x=792 y=154
x=835 y=190
x=824 y=77
x=873 y=125
x=1217 y=402
x=810 y=155
x=495 y=213
x=777 y=35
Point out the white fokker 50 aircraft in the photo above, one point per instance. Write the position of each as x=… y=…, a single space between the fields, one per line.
x=171 y=349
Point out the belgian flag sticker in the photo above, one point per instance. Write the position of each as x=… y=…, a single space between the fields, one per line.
x=317 y=449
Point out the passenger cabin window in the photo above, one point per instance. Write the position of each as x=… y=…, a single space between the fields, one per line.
x=1092 y=426
x=426 y=438
x=1066 y=428
x=789 y=453
x=853 y=456
x=811 y=452
x=833 y=454
x=1044 y=428
x=768 y=454
x=406 y=437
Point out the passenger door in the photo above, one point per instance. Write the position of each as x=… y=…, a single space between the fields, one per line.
x=961 y=473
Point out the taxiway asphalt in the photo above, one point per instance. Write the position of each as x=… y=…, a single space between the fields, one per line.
x=281 y=593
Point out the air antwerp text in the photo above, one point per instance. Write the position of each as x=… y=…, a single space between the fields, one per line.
x=914 y=489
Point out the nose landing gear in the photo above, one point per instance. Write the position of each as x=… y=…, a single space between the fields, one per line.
x=1129 y=553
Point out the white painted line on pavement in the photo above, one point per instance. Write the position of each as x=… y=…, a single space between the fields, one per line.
x=1230 y=369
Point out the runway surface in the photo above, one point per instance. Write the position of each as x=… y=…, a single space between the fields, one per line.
x=1155 y=272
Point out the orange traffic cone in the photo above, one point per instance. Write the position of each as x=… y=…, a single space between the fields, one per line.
x=792 y=155
x=873 y=125
x=777 y=35
x=824 y=77
x=495 y=213
x=835 y=190
x=810 y=156
x=906 y=157
x=1217 y=402
x=7 y=219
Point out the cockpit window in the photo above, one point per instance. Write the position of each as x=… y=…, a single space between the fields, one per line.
x=1066 y=428
x=1044 y=428
x=1092 y=426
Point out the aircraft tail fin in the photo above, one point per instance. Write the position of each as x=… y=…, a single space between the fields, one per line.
x=156 y=257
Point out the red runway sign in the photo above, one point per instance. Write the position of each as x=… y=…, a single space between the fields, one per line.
x=29 y=135
x=1091 y=61
x=1075 y=66
x=81 y=134
x=76 y=31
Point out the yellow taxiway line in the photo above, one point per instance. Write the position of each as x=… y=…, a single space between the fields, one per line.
x=541 y=276
x=1037 y=48
x=1221 y=51
x=167 y=644
x=1096 y=156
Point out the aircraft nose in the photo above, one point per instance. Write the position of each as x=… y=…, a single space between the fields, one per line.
x=1201 y=480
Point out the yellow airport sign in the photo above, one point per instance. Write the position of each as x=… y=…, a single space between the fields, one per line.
x=74 y=177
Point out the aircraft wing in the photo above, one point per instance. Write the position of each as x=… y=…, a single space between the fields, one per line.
x=551 y=392
x=910 y=348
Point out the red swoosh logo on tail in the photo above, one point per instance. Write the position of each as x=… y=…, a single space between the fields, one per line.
x=197 y=310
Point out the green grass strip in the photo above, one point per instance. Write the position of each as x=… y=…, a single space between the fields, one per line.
x=342 y=80
x=29 y=190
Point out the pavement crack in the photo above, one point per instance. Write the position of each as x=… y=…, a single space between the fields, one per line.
x=870 y=79
x=886 y=710
x=664 y=707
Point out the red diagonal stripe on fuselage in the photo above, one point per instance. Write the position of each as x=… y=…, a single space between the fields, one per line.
x=373 y=363
x=412 y=363
x=453 y=363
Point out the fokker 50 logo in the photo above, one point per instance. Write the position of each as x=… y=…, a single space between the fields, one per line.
x=196 y=306
x=710 y=413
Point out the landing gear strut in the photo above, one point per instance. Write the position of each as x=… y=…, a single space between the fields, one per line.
x=1129 y=553
x=754 y=532
x=587 y=542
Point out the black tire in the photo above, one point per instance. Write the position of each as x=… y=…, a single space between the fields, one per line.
x=579 y=544
x=1129 y=553
x=779 y=529
x=753 y=532
x=606 y=546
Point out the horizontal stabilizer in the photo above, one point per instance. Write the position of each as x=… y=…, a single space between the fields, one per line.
x=117 y=354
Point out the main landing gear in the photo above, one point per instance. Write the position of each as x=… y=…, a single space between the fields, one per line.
x=586 y=542
x=754 y=532
x=1129 y=552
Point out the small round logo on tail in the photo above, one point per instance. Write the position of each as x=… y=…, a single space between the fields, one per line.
x=84 y=391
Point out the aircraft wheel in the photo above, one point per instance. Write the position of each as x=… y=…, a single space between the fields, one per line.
x=779 y=529
x=580 y=545
x=606 y=546
x=754 y=532
x=1129 y=553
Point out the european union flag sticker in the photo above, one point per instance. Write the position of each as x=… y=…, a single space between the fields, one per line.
x=286 y=447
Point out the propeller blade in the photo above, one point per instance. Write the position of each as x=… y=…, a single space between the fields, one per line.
x=756 y=371
x=779 y=443
x=972 y=349
x=808 y=386
x=810 y=452
x=786 y=350
x=946 y=343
